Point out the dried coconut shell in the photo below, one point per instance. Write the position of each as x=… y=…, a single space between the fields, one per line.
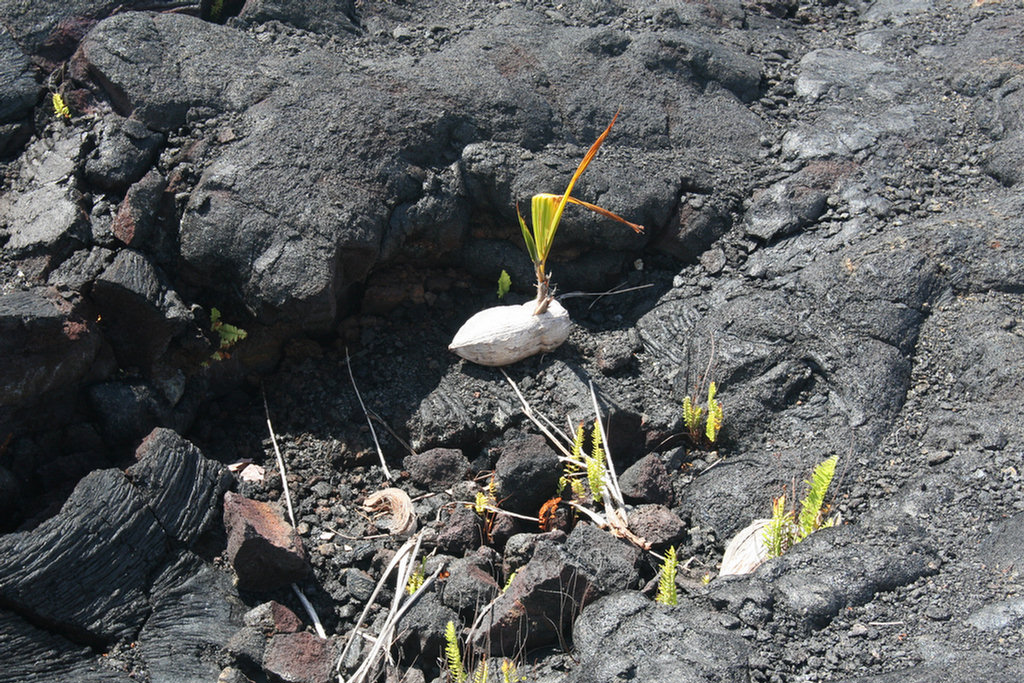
x=505 y=334
x=397 y=503
x=746 y=551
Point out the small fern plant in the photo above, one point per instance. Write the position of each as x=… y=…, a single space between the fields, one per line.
x=228 y=335
x=703 y=422
x=667 y=579
x=582 y=466
x=788 y=527
x=453 y=660
x=452 y=655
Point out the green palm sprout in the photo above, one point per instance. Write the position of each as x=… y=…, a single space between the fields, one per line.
x=546 y=214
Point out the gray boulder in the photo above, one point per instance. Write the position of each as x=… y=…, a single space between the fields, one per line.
x=627 y=635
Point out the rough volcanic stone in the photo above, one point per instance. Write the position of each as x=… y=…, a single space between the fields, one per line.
x=81 y=268
x=657 y=525
x=47 y=342
x=527 y=474
x=191 y=64
x=170 y=470
x=955 y=667
x=540 y=602
x=614 y=562
x=246 y=647
x=1004 y=546
x=127 y=411
x=47 y=217
x=390 y=189
x=470 y=584
x=125 y=148
x=18 y=89
x=94 y=584
x=89 y=571
x=646 y=481
x=1005 y=160
x=519 y=548
x=265 y=551
x=132 y=295
x=135 y=222
x=438 y=468
x=847 y=565
x=51 y=29
x=627 y=635
x=462 y=533
x=784 y=208
x=320 y=16
x=272 y=617
x=300 y=658
x=35 y=655
x=422 y=629
x=195 y=611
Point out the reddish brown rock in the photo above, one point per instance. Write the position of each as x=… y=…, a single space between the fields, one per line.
x=264 y=549
x=273 y=617
x=135 y=222
x=299 y=658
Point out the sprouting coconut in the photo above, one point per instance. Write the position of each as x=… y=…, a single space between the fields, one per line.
x=505 y=334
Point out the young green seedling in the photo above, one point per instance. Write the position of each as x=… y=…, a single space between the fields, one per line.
x=505 y=334
x=547 y=214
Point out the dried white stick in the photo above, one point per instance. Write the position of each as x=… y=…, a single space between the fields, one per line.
x=373 y=432
x=613 y=479
x=528 y=411
x=280 y=460
x=317 y=625
x=405 y=560
x=399 y=554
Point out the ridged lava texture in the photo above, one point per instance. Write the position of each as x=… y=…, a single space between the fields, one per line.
x=505 y=334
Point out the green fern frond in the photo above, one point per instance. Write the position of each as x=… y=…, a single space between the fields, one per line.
x=480 y=673
x=509 y=673
x=714 y=422
x=578 y=492
x=511 y=578
x=596 y=470
x=480 y=504
x=417 y=578
x=692 y=415
x=60 y=107
x=577 y=448
x=777 y=533
x=809 y=520
x=452 y=655
x=667 y=581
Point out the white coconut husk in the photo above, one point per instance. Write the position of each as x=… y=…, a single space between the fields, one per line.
x=505 y=334
x=398 y=504
x=746 y=551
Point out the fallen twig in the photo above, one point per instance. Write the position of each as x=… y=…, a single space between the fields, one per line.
x=373 y=432
x=317 y=625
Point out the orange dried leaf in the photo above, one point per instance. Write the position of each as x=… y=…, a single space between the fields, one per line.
x=547 y=513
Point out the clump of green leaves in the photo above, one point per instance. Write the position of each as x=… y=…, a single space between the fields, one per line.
x=417 y=578
x=546 y=214
x=504 y=284
x=584 y=473
x=787 y=527
x=453 y=660
x=60 y=107
x=509 y=673
x=667 y=579
x=229 y=335
x=703 y=422
x=452 y=655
